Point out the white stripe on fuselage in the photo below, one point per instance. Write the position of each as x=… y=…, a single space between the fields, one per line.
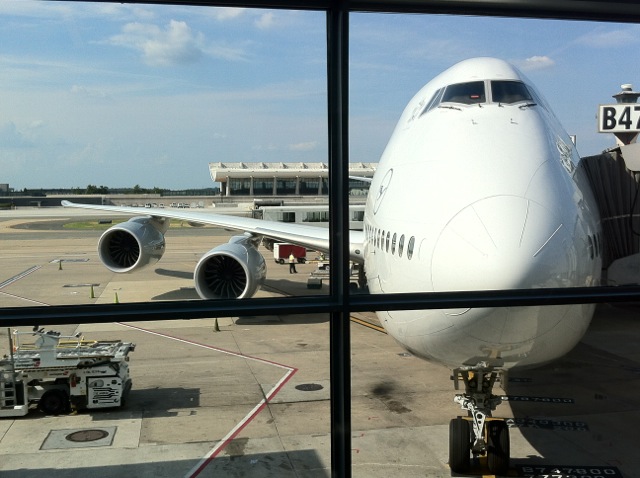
x=481 y=196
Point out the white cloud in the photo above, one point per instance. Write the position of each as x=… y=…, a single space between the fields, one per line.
x=265 y=21
x=89 y=92
x=11 y=137
x=227 y=13
x=175 y=44
x=308 y=146
x=265 y=147
x=535 y=63
x=226 y=52
x=121 y=12
x=612 y=38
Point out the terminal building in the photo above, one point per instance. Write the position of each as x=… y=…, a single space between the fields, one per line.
x=284 y=179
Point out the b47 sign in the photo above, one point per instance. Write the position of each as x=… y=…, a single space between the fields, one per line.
x=620 y=118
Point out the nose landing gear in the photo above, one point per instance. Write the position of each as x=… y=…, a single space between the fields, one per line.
x=478 y=434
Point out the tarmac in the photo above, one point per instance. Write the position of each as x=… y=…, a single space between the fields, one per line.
x=249 y=396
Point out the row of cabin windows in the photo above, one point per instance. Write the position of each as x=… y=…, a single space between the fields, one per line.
x=389 y=243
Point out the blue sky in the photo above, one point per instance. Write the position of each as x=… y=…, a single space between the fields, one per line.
x=119 y=95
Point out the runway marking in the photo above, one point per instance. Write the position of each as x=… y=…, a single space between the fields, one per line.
x=547 y=424
x=24 y=298
x=368 y=324
x=16 y=278
x=564 y=471
x=19 y=276
x=215 y=451
x=550 y=400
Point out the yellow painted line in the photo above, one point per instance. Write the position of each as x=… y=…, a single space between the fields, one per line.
x=368 y=324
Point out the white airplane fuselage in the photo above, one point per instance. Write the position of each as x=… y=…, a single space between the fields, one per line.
x=482 y=191
x=478 y=188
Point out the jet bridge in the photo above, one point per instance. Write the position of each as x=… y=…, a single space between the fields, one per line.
x=616 y=190
x=615 y=177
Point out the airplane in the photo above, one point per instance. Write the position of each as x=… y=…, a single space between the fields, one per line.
x=478 y=188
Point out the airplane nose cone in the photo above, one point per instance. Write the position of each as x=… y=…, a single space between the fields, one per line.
x=502 y=242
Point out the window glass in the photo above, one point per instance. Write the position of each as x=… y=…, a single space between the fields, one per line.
x=435 y=100
x=128 y=105
x=127 y=123
x=239 y=187
x=465 y=93
x=509 y=92
x=316 y=216
x=410 y=246
x=384 y=71
x=309 y=186
x=263 y=187
x=286 y=187
x=288 y=216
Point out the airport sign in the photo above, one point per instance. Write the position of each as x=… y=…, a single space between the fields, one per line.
x=619 y=118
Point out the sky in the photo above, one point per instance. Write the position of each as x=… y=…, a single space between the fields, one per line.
x=122 y=95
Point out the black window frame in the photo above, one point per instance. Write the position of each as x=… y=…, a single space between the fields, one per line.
x=339 y=304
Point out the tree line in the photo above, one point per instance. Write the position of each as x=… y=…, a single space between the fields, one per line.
x=137 y=189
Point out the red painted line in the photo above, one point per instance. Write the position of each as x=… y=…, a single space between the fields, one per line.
x=215 y=451
x=241 y=425
x=206 y=346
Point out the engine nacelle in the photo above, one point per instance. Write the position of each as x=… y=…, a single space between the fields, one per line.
x=231 y=271
x=131 y=245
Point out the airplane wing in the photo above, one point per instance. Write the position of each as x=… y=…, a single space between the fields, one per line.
x=312 y=237
x=361 y=178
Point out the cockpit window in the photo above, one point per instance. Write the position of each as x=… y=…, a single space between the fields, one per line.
x=435 y=100
x=509 y=92
x=466 y=93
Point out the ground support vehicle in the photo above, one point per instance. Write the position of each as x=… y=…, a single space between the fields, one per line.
x=282 y=251
x=60 y=374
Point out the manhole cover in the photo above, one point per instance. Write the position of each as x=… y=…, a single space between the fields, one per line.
x=87 y=435
x=309 y=387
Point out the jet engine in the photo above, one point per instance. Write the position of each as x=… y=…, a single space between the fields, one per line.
x=231 y=271
x=134 y=244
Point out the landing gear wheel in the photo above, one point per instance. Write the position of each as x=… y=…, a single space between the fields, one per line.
x=459 y=445
x=498 y=450
x=54 y=402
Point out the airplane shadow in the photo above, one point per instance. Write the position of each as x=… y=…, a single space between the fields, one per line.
x=176 y=274
x=183 y=293
x=232 y=462
x=581 y=411
x=293 y=288
x=283 y=319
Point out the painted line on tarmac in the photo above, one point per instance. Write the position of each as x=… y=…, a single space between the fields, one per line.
x=6 y=294
x=19 y=276
x=368 y=324
x=215 y=451
x=16 y=278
